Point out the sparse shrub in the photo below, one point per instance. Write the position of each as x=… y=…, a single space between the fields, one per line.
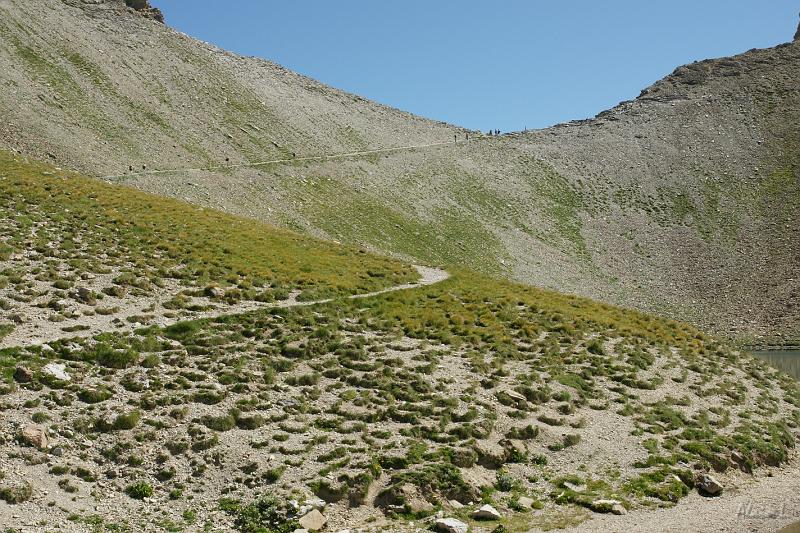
x=219 y=423
x=124 y=421
x=264 y=515
x=107 y=356
x=16 y=493
x=100 y=394
x=139 y=490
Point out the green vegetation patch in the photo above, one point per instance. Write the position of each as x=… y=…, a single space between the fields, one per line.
x=95 y=227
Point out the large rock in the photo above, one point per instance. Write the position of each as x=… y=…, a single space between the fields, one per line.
x=313 y=521
x=451 y=525
x=487 y=512
x=525 y=502
x=707 y=484
x=57 y=371
x=35 y=436
x=23 y=374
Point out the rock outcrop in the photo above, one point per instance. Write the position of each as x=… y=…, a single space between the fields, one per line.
x=145 y=9
x=797 y=33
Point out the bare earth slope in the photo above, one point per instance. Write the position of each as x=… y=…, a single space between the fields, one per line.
x=680 y=202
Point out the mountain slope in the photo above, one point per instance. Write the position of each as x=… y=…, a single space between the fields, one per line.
x=680 y=202
x=373 y=409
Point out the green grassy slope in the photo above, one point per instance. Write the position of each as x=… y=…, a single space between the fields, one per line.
x=473 y=389
x=68 y=226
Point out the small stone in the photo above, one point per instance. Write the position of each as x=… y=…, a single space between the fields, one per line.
x=313 y=521
x=455 y=504
x=56 y=370
x=525 y=502
x=23 y=374
x=487 y=512
x=573 y=487
x=86 y=296
x=451 y=525
x=707 y=484
x=35 y=436
x=316 y=503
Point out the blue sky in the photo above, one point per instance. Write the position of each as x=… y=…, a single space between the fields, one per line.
x=506 y=64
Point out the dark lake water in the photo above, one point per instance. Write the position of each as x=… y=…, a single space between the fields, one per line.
x=786 y=360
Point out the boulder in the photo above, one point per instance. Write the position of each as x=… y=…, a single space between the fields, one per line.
x=451 y=525
x=525 y=502
x=740 y=461
x=23 y=374
x=313 y=521
x=707 y=484
x=215 y=292
x=487 y=512
x=608 y=506
x=455 y=504
x=35 y=436
x=57 y=371
x=511 y=398
x=84 y=295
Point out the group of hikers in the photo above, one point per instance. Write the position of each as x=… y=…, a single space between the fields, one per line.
x=466 y=135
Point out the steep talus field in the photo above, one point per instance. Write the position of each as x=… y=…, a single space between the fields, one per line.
x=378 y=411
x=97 y=85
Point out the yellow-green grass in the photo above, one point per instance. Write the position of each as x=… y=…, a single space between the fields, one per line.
x=92 y=226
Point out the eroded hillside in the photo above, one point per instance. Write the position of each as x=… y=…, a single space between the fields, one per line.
x=680 y=202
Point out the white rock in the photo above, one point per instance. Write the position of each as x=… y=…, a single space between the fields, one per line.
x=707 y=484
x=455 y=504
x=451 y=525
x=487 y=512
x=316 y=503
x=56 y=370
x=609 y=506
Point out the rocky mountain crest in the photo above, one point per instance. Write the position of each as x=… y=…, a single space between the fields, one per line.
x=142 y=7
x=797 y=33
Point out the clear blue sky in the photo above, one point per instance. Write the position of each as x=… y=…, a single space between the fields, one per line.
x=504 y=64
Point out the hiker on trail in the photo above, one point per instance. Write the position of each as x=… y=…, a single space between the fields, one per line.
x=490 y=133
x=455 y=138
x=497 y=132
x=466 y=135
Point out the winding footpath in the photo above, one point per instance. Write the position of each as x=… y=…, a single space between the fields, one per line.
x=323 y=157
x=37 y=333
